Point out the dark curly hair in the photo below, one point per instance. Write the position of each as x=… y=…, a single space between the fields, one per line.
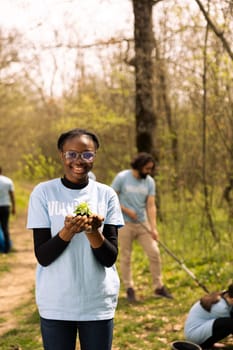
x=230 y=290
x=141 y=159
x=76 y=132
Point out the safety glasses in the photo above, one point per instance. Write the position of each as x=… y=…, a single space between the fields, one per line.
x=73 y=155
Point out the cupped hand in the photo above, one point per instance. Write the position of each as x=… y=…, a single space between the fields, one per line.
x=94 y=222
x=76 y=224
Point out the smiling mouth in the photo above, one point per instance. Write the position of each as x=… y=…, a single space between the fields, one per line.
x=78 y=170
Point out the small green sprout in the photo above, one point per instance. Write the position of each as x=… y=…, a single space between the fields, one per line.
x=82 y=209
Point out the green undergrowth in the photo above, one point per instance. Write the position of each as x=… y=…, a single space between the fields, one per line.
x=26 y=336
x=154 y=323
x=151 y=323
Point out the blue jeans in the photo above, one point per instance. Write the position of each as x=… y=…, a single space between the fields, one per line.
x=61 y=335
x=4 y=221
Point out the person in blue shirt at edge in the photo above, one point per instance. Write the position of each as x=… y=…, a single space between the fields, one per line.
x=7 y=206
x=77 y=284
x=136 y=190
x=210 y=319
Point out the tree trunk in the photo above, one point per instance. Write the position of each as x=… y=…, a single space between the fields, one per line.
x=144 y=44
x=164 y=106
x=204 y=147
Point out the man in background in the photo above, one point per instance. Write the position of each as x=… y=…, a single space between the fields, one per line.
x=136 y=191
x=7 y=205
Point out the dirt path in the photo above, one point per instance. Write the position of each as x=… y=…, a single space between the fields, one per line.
x=16 y=285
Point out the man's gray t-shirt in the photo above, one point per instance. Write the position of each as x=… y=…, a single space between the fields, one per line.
x=133 y=193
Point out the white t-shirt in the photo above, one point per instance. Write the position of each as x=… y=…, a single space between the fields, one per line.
x=75 y=286
x=6 y=185
x=199 y=323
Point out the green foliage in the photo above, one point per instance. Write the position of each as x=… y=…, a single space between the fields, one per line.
x=37 y=167
x=153 y=322
x=4 y=266
x=82 y=209
x=31 y=121
x=87 y=111
x=26 y=335
x=22 y=193
x=115 y=131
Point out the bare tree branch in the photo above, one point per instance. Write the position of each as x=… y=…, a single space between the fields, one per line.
x=99 y=43
x=218 y=33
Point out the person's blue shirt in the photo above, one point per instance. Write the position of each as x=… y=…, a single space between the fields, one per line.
x=6 y=186
x=84 y=290
x=199 y=323
x=133 y=192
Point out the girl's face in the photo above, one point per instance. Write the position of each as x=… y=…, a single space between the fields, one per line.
x=77 y=156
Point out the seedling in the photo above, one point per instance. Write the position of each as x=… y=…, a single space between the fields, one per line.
x=82 y=209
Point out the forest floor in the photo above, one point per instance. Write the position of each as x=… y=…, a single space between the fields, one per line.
x=17 y=288
x=17 y=284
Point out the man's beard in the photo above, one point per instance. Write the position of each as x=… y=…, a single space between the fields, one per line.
x=142 y=175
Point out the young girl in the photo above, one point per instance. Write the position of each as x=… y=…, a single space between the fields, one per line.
x=77 y=283
x=209 y=319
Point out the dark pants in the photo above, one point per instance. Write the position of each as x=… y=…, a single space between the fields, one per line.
x=4 y=221
x=61 y=335
x=222 y=327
